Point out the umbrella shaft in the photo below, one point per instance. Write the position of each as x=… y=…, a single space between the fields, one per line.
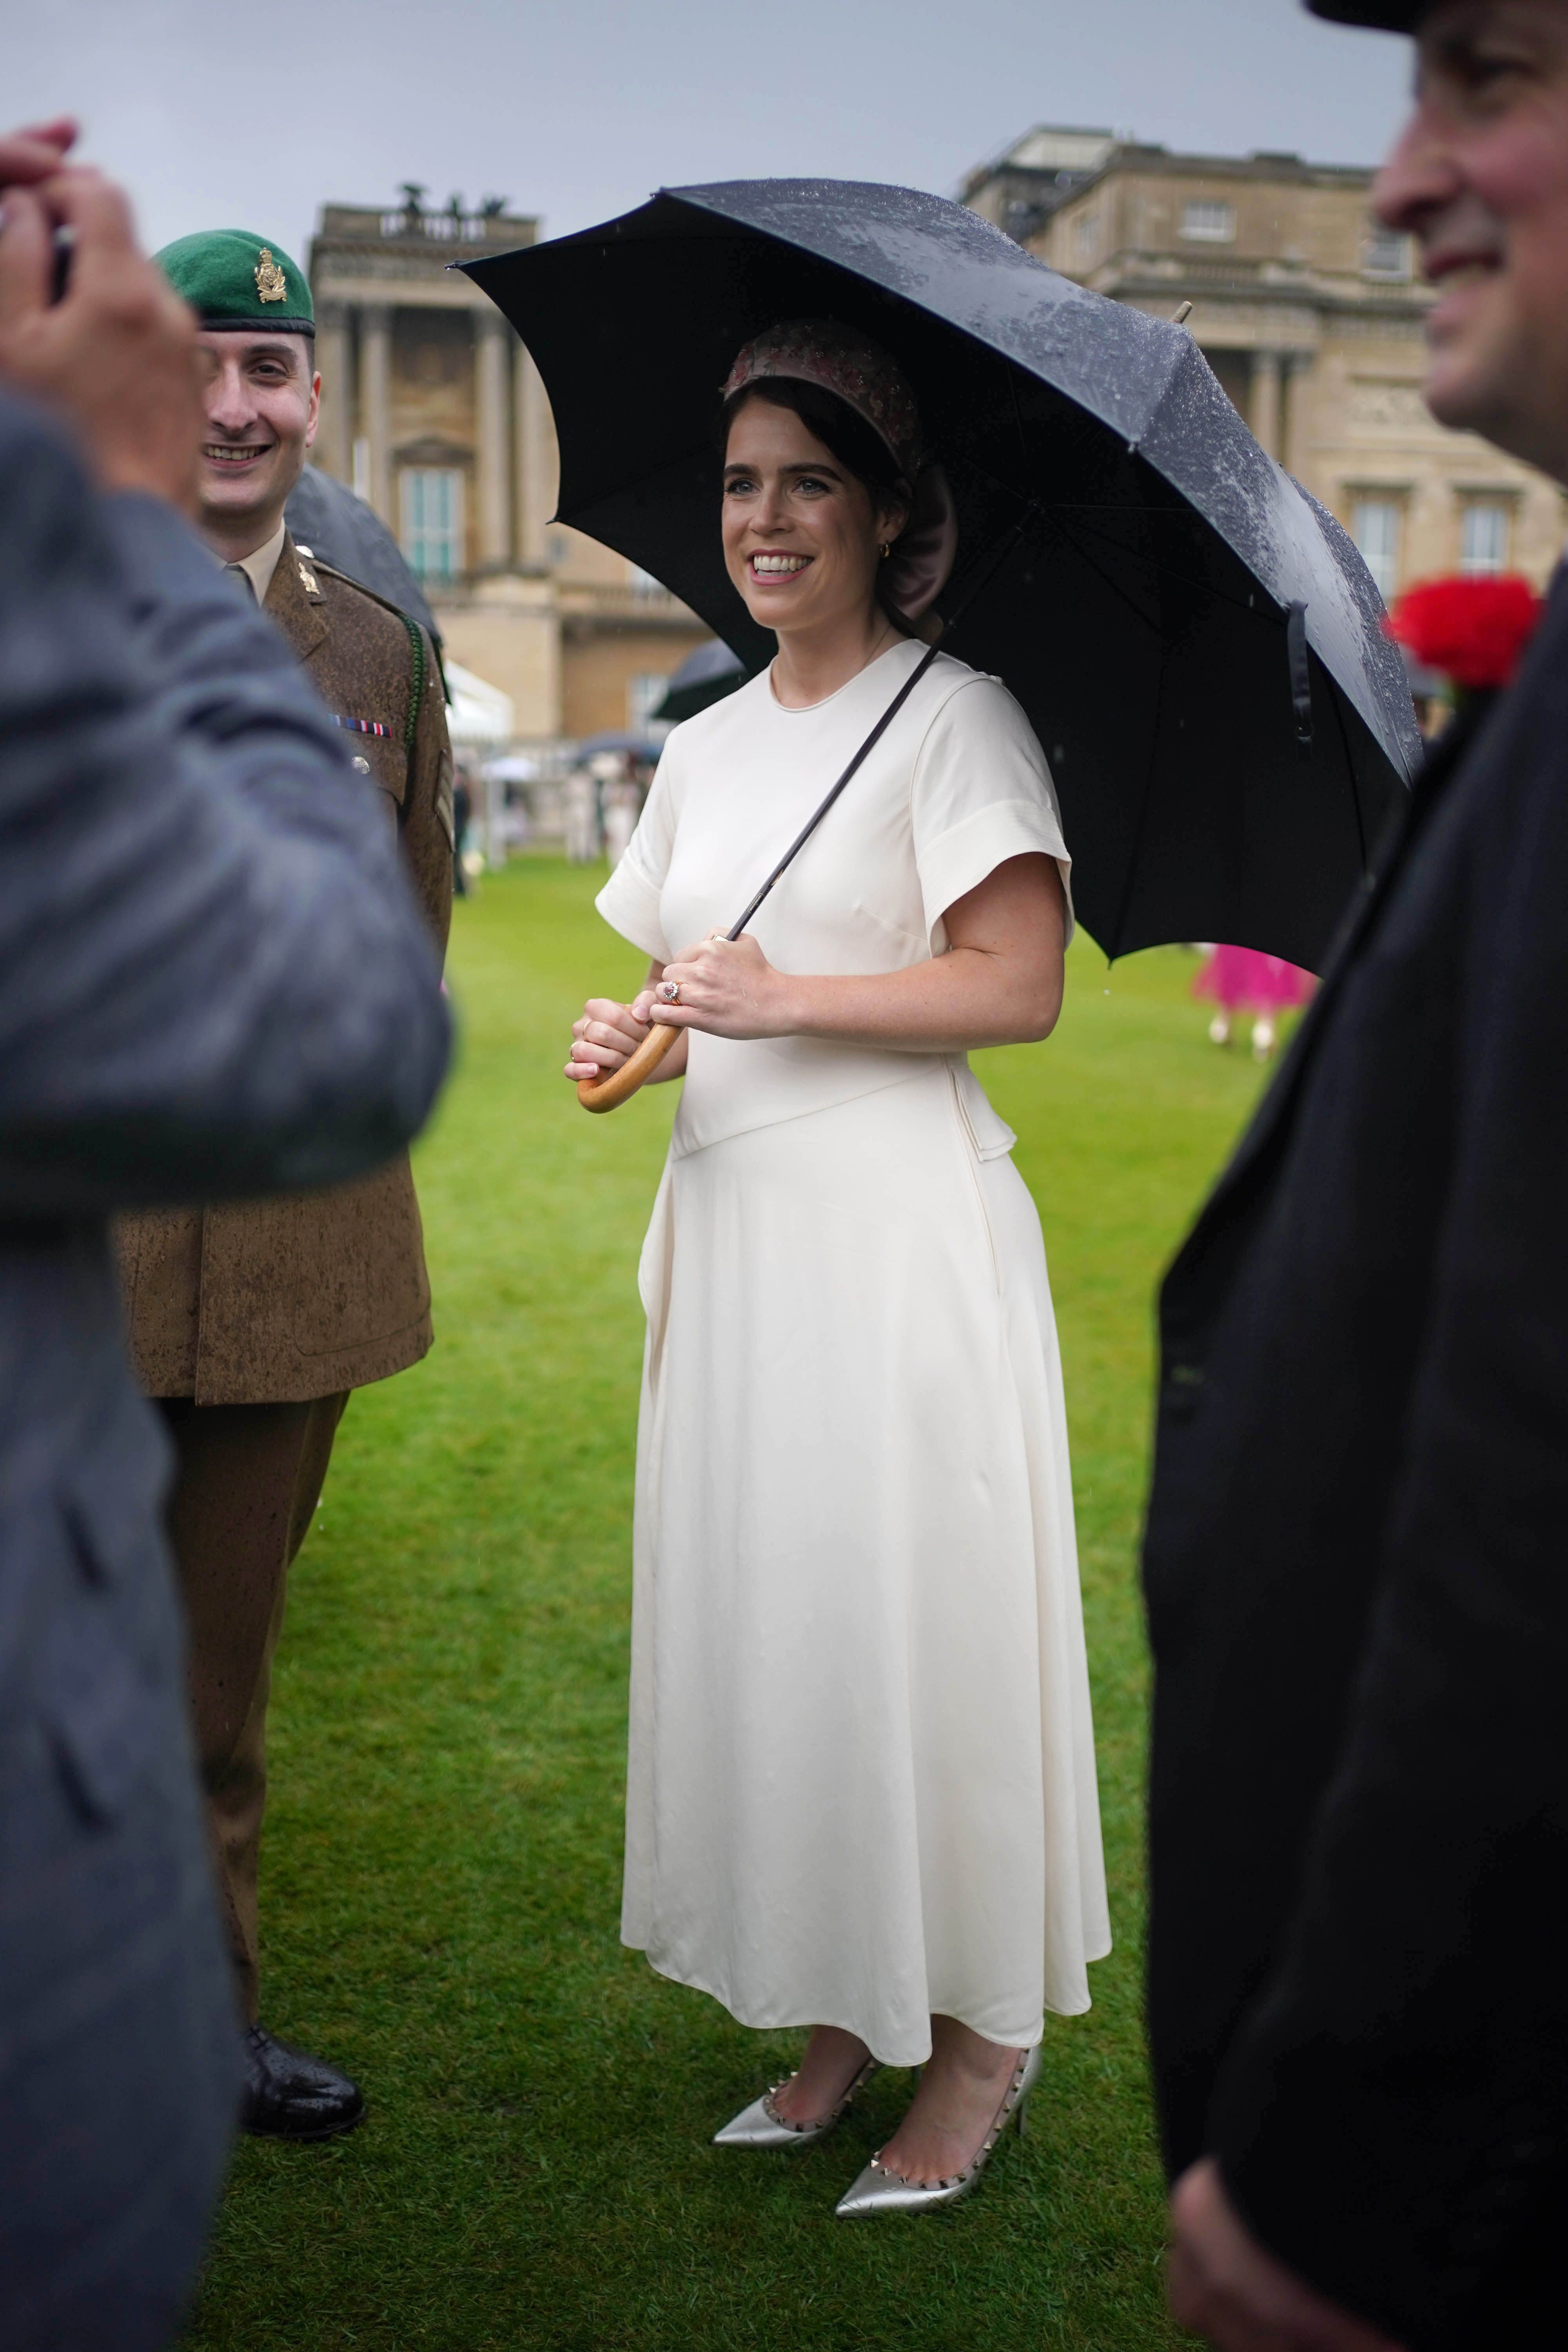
x=875 y=737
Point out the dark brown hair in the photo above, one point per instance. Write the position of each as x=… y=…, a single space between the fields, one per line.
x=859 y=447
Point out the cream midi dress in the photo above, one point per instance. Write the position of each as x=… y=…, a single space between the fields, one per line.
x=861 y=1782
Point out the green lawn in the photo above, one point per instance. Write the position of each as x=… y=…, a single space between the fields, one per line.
x=441 y=1874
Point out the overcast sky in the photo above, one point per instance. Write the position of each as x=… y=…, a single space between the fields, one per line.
x=575 y=109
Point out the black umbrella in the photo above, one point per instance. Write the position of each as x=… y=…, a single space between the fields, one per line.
x=612 y=739
x=350 y=536
x=704 y=677
x=1129 y=558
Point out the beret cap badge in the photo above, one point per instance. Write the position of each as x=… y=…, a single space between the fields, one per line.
x=231 y=279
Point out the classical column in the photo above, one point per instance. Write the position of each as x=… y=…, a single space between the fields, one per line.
x=536 y=465
x=491 y=337
x=375 y=403
x=1267 y=368
x=1294 y=393
x=332 y=451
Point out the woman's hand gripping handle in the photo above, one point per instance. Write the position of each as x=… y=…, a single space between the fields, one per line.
x=616 y=1048
x=604 y=1093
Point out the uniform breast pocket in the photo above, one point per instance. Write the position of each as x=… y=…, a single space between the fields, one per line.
x=382 y=760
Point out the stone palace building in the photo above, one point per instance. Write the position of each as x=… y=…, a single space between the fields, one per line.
x=1310 y=314
x=432 y=410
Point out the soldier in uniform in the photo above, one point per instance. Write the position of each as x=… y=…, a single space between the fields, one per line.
x=250 y=1324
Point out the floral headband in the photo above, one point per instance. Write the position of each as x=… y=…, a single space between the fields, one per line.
x=842 y=361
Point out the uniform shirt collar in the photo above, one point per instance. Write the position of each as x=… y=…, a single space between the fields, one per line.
x=260 y=566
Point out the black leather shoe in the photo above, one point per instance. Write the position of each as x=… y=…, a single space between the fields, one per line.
x=290 y=2096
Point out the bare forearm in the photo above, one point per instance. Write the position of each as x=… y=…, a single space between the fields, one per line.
x=955 y=1003
x=999 y=983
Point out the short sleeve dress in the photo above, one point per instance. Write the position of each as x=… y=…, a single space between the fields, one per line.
x=861 y=1781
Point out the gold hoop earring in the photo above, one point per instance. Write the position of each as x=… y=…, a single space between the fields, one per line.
x=887 y=549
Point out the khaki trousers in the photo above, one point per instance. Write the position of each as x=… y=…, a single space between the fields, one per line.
x=248 y=1481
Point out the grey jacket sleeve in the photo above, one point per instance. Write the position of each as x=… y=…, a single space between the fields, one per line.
x=214 y=980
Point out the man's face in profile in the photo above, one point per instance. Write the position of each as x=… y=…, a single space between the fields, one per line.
x=1481 y=178
x=262 y=395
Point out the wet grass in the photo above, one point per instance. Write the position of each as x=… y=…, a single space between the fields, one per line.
x=441 y=1875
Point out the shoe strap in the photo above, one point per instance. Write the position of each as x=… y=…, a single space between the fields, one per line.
x=823 y=2121
x=981 y=2155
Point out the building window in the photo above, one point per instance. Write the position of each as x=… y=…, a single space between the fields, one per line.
x=1386 y=254
x=645 y=587
x=1208 y=222
x=644 y=692
x=433 y=521
x=1375 y=527
x=1483 y=536
x=1086 y=237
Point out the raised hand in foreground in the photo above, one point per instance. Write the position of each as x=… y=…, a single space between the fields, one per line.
x=115 y=358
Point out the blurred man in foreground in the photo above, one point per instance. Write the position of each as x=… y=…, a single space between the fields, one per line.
x=1356 y=1551
x=213 y=980
x=250 y=1322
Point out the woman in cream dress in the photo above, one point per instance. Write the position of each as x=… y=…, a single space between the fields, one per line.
x=862 y=1787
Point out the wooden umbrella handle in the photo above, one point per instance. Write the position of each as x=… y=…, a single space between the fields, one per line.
x=605 y=1094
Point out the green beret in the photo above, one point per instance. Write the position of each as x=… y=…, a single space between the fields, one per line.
x=231 y=279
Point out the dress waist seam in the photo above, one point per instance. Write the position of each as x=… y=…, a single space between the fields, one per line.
x=931 y=1066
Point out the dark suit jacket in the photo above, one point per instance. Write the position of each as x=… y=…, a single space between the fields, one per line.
x=213 y=980
x=1356 y=1569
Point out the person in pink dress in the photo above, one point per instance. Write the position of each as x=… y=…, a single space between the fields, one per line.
x=1242 y=980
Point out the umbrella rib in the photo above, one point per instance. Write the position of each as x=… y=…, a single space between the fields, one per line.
x=1088 y=558
x=1204 y=587
x=1270 y=611
x=974 y=589
x=1028 y=455
x=1049 y=510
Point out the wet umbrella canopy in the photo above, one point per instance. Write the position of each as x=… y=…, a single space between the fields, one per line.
x=1129 y=556
x=612 y=739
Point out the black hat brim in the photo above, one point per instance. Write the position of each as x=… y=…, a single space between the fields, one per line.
x=1381 y=15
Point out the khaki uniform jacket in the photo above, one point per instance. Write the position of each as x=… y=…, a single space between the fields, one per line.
x=281 y=1300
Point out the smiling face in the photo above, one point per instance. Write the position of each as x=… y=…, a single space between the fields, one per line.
x=802 y=536
x=1481 y=178
x=262 y=396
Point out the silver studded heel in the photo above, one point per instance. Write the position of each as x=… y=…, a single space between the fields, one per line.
x=761 y=2125
x=879 y=2190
